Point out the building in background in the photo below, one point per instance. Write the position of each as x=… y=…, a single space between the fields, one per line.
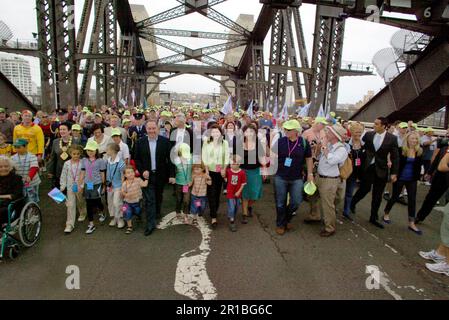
x=18 y=71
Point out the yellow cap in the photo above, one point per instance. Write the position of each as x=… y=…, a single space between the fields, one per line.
x=91 y=146
x=76 y=127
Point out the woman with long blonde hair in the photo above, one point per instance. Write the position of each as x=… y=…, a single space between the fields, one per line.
x=409 y=173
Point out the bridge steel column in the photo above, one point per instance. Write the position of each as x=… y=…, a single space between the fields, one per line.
x=326 y=60
x=56 y=42
x=106 y=73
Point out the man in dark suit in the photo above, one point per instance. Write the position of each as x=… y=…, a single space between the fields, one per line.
x=152 y=157
x=376 y=171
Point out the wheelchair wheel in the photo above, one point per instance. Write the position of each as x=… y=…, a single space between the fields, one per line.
x=13 y=251
x=30 y=224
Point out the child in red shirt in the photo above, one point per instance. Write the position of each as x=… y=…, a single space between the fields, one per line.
x=236 y=179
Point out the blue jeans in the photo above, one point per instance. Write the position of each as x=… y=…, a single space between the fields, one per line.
x=132 y=209
x=233 y=207
x=350 y=186
x=281 y=189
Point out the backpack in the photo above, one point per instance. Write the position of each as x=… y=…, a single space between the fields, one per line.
x=346 y=168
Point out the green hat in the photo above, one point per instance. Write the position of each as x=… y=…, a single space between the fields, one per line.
x=91 y=146
x=2 y=110
x=86 y=109
x=185 y=150
x=236 y=114
x=320 y=120
x=127 y=113
x=20 y=142
x=76 y=127
x=310 y=188
x=291 y=125
x=116 y=132
x=428 y=129
x=125 y=121
x=414 y=125
x=332 y=114
x=403 y=125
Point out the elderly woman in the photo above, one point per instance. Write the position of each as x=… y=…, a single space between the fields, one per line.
x=11 y=187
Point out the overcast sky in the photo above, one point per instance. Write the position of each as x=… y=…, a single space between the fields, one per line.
x=362 y=40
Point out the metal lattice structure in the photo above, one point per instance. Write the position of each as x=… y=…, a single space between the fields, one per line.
x=326 y=60
x=57 y=47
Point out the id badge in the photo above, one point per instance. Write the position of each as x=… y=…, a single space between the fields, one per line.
x=218 y=168
x=358 y=162
x=185 y=189
x=124 y=208
x=90 y=186
x=288 y=162
x=74 y=188
x=197 y=203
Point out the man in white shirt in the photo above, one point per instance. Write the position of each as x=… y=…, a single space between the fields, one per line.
x=332 y=156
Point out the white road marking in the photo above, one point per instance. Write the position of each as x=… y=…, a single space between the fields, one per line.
x=191 y=275
x=391 y=248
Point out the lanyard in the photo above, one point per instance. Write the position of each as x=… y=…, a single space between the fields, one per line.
x=291 y=150
x=115 y=171
x=74 y=173
x=90 y=167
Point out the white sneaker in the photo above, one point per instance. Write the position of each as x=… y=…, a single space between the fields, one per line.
x=427 y=183
x=102 y=218
x=441 y=267
x=432 y=255
x=90 y=229
x=225 y=191
x=121 y=224
x=68 y=229
x=81 y=219
x=113 y=222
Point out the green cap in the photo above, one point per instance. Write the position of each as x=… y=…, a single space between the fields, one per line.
x=2 y=110
x=185 y=150
x=428 y=129
x=127 y=113
x=310 y=188
x=292 y=125
x=116 y=132
x=320 y=120
x=86 y=109
x=76 y=127
x=403 y=125
x=91 y=145
x=332 y=114
x=125 y=121
x=20 y=142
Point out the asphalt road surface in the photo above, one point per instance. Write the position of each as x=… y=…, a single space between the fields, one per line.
x=187 y=262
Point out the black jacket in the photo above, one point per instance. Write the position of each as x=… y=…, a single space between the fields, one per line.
x=164 y=167
x=389 y=146
x=416 y=166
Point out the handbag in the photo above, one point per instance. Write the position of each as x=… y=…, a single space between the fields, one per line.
x=346 y=168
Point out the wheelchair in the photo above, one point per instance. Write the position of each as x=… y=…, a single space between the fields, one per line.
x=23 y=228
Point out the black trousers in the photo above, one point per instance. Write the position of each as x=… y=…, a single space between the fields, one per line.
x=153 y=196
x=370 y=180
x=411 y=187
x=214 y=193
x=93 y=206
x=438 y=188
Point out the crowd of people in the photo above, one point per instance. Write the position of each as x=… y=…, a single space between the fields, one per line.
x=117 y=163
